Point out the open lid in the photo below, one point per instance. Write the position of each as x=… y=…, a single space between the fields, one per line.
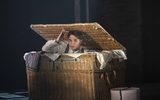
x=96 y=36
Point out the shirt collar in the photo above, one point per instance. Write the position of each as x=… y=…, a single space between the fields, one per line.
x=77 y=51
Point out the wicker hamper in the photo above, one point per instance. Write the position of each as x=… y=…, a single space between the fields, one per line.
x=79 y=78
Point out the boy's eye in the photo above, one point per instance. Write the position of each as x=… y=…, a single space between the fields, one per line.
x=75 y=40
x=70 y=40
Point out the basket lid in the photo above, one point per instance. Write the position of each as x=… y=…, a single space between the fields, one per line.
x=96 y=36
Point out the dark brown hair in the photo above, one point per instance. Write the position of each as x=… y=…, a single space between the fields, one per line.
x=78 y=34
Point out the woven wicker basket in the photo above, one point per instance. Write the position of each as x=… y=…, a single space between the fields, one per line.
x=75 y=79
x=70 y=79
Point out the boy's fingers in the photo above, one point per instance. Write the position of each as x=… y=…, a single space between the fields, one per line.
x=60 y=35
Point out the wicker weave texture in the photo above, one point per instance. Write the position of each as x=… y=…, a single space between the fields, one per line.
x=96 y=36
x=68 y=79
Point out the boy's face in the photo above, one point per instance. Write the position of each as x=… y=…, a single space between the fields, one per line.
x=74 y=43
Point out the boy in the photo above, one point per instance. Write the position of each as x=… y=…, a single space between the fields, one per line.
x=74 y=44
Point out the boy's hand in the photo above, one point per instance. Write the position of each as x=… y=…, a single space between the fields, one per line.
x=60 y=35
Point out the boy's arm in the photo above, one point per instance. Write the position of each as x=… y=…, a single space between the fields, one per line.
x=49 y=45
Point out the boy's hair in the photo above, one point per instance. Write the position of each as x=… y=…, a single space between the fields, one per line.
x=78 y=34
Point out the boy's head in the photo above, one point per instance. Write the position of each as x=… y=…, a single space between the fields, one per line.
x=75 y=39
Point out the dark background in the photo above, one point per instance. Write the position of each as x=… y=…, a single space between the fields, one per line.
x=134 y=23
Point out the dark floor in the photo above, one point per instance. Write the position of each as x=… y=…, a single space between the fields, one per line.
x=149 y=91
x=14 y=95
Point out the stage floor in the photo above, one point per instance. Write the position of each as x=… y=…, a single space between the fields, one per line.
x=11 y=95
x=147 y=92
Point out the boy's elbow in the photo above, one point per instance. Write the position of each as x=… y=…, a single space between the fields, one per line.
x=44 y=48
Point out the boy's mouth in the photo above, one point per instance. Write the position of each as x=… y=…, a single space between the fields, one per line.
x=73 y=48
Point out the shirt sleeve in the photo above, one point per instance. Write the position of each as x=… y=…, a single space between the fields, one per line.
x=52 y=46
x=49 y=46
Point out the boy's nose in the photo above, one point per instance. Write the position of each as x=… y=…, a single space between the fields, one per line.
x=72 y=43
